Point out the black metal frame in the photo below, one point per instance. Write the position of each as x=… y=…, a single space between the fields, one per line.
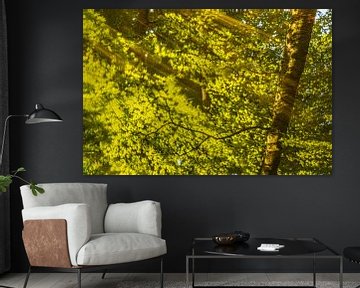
x=82 y=269
x=190 y=259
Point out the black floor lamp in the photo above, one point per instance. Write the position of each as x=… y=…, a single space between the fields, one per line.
x=39 y=115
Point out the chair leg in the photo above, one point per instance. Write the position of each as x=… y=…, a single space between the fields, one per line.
x=103 y=275
x=27 y=277
x=79 y=277
x=161 y=273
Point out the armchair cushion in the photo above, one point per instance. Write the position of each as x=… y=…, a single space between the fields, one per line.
x=113 y=248
x=138 y=217
x=78 y=221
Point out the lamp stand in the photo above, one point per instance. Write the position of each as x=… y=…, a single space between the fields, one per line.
x=39 y=115
x=2 y=153
x=4 y=135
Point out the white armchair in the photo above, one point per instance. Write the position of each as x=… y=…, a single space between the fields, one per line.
x=72 y=228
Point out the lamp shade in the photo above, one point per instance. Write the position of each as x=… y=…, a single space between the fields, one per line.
x=42 y=115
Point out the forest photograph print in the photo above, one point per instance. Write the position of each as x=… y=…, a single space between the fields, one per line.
x=207 y=91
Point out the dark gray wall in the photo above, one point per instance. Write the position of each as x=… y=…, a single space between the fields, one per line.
x=45 y=50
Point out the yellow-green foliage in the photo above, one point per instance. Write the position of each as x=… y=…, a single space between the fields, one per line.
x=190 y=92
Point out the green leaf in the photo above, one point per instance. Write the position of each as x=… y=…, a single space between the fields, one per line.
x=39 y=189
x=5 y=181
x=20 y=169
x=36 y=189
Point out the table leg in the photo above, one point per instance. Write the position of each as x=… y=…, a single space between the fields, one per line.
x=341 y=273
x=314 y=271
x=193 y=272
x=187 y=272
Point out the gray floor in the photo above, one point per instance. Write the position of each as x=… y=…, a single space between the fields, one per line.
x=119 y=280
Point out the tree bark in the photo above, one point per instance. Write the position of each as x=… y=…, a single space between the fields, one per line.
x=295 y=52
x=143 y=21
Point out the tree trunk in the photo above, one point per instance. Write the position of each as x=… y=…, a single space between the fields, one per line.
x=143 y=21
x=295 y=52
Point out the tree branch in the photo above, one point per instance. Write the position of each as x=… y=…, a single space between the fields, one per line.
x=209 y=135
x=195 y=147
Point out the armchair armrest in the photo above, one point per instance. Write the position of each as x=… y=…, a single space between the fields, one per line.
x=77 y=219
x=52 y=250
x=138 y=217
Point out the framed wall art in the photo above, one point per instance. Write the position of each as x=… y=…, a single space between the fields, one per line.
x=207 y=92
